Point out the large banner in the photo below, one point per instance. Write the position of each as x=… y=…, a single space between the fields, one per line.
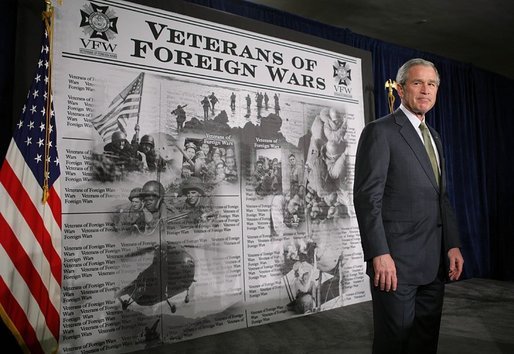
x=207 y=176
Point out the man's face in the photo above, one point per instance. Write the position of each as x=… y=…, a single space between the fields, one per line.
x=146 y=147
x=192 y=196
x=292 y=161
x=419 y=92
x=136 y=204
x=293 y=207
x=120 y=144
x=205 y=149
x=259 y=166
x=152 y=203
x=190 y=152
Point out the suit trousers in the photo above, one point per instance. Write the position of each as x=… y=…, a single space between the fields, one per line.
x=407 y=321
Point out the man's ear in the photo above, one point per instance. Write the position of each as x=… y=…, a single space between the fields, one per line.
x=399 y=89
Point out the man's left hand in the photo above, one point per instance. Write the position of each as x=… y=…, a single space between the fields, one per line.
x=456 y=263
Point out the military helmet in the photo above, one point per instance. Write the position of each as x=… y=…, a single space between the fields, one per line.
x=154 y=188
x=118 y=136
x=135 y=193
x=190 y=145
x=148 y=139
x=193 y=183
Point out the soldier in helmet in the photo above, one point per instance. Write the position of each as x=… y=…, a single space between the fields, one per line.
x=197 y=205
x=233 y=101
x=181 y=117
x=156 y=210
x=213 y=99
x=131 y=220
x=151 y=159
x=206 y=104
x=120 y=149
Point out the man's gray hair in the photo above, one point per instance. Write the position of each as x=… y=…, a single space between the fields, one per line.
x=403 y=72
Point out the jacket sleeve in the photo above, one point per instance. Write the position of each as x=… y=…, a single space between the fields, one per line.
x=451 y=235
x=371 y=168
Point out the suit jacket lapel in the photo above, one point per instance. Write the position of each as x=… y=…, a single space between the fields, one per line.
x=412 y=138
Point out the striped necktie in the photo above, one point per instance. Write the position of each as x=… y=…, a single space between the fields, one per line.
x=430 y=150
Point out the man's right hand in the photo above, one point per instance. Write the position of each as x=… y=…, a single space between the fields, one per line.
x=385 y=273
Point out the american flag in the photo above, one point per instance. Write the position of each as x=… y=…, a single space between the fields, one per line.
x=124 y=106
x=30 y=229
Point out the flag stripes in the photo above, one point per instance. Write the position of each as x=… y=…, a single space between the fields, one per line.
x=123 y=107
x=17 y=320
x=30 y=223
x=23 y=204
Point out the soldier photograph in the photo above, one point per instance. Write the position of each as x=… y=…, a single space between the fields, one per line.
x=213 y=100
x=181 y=117
x=197 y=204
x=131 y=220
x=151 y=159
x=157 y=212
x=122 y=151
x=206 y=104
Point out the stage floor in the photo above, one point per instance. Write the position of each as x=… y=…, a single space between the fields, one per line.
x=478 y=317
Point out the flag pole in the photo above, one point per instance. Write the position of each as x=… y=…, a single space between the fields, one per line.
x=48 y=19
x=136 y=128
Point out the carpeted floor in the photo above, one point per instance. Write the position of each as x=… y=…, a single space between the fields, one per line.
x=478 y=317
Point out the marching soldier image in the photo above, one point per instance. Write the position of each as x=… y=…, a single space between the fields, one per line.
x=181 y=117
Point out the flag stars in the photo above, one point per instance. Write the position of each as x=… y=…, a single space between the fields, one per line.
x=56 y=161
x=42 y=126
x=35 y=93
x=38 y=78
x=31 y=125
x=40 y=142
x=40 y=63
x=20 y=124
x=24 y=109
x=46 y=64
x=33 y=109
x=43 y=111
x=38 y=158
x=28 y=141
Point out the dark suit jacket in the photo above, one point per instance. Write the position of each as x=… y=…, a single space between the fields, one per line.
x=399 y=207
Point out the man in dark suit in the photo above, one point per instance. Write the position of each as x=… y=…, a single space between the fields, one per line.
x=408 y=228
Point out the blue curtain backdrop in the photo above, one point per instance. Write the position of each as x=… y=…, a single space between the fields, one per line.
x=475 y=117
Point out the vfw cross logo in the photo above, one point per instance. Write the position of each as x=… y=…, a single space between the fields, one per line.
x=99 y=25
x=342 y=78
